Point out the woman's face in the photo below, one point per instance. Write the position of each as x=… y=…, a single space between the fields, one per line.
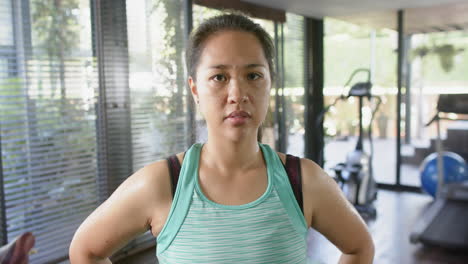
x=232 y=84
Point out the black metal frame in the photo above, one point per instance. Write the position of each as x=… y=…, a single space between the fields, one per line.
x=401 y=47
x=280 y=113
x=3 y=220
x=399 y=188
x=313 y=89
x=407 y=78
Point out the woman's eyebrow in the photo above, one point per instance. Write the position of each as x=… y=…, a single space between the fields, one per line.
x=219 y=66
x=254 y=65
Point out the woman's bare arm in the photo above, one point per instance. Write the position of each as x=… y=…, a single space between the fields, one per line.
x=334 y=217
x=128 y=212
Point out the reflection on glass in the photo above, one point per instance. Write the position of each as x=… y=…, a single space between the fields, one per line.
x=157 y=79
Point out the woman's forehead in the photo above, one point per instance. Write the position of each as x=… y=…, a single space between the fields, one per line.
x=232 y=48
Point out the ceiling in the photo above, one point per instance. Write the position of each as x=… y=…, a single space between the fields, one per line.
x=421 y=16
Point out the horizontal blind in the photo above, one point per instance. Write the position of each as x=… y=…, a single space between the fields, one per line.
x=48 y=83
x=294 y=83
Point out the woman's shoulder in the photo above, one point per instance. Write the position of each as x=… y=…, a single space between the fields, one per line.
x=156 y=174
x=151 y=183
x=312 y=174
x=152 y=186
x=314 y=177
x=310 y=167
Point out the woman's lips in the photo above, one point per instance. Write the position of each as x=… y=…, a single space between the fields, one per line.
x=237 y=120
x=238 y=117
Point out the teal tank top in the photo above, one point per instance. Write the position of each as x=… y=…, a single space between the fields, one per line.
x=270 y=229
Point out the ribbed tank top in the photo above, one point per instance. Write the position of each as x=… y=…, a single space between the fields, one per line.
x=270 y=229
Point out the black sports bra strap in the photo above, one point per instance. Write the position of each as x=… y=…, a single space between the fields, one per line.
x=174 y=171
x=293 y=169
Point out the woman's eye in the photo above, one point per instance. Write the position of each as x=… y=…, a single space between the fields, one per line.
x=253 y=76
x=219 y=78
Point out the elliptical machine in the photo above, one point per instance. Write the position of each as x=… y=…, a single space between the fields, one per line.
x=355 y=176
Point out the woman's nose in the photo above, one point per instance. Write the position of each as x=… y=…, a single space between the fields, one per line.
x=237 y=92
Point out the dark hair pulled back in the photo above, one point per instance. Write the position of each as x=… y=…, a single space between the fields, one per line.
x=231 y=21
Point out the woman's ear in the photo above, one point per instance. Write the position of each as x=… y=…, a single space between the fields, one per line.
x=193 y=88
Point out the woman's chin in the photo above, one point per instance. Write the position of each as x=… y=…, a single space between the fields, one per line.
x=240 y=134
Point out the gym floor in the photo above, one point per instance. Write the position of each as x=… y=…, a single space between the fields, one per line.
x=396 y=214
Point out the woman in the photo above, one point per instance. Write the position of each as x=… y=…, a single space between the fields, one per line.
x=233 y=202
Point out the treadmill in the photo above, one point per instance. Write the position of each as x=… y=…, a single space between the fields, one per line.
x=445 y=223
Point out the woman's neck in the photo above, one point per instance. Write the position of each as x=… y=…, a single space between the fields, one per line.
x=229 y=156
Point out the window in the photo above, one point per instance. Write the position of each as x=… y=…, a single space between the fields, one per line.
x=294 y=83
x=47 y=122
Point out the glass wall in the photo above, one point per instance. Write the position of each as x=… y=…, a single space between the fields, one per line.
x=349 y=47
x=437 y=64
x=294 y=80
